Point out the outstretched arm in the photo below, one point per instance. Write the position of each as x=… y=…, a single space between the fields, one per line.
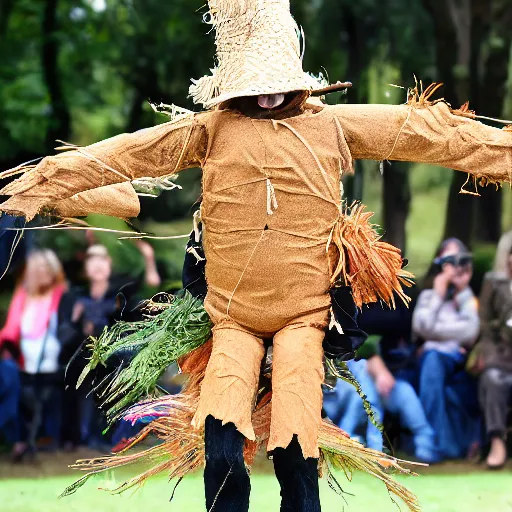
x=429 y=133
x=159 y=151
x=117 y=200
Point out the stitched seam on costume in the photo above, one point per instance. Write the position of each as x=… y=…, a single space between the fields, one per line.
x=245 y=269
x=399 y=133
x=300 y=235
x=185 y=145
x=95 y=159
x=341 y=135
x=220 y=489
x=317 y=161
x=313 y=154
x=264 y=147
x=251 y=182
x=271 y=193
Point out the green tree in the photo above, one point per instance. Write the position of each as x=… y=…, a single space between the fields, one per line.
x=472 y=41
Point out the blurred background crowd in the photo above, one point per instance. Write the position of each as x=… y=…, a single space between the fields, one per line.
x=438 y=374
x=42 y=344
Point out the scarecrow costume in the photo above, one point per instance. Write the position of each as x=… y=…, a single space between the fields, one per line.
x=278 y=241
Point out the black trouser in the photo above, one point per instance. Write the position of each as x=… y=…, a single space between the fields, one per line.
x=495 y=388
x=40 y=393
x=227 y=485
x=72 y=404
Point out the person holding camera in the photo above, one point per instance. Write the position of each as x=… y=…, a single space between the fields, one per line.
x=446 y=321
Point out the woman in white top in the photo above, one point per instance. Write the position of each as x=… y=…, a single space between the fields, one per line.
x=30 y=330
x=446 y=320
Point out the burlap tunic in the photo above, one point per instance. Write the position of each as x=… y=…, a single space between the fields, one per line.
x=271 y=198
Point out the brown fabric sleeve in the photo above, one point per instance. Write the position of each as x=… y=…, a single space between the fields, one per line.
x=118 y=200
x=158 y=151
x=427 y=133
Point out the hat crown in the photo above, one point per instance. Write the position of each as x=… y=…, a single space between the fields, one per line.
x=239 y=25
x=226 y=9
x=258 y=51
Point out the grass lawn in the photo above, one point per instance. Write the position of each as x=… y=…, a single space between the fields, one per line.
x=451 y=489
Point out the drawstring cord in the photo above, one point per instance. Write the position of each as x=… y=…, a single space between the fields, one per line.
x=271 y=198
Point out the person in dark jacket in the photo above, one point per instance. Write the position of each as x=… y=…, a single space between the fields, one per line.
x=385 y=370
x=85 y=313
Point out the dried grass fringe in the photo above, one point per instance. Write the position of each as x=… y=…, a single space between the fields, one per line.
x=418 y=98
x=371 y=267
x=182 y=448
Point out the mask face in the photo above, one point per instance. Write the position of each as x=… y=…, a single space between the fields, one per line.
x=270 y=101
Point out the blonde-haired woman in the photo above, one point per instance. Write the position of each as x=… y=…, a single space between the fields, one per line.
x=30 y=336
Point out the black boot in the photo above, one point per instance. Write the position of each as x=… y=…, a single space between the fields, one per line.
x=298 y=478
x=226 y=481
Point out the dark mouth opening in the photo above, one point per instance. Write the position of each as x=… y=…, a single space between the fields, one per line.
x=248 y=105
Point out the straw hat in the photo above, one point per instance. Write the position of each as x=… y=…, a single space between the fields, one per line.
x=258 y=52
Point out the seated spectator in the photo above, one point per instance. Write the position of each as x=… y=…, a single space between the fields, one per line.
x=344 y=406
x=393 y=327
x=386 y=379
x=86 y=312
x=446 y=320
x=31 y=334
x=385 y=393
x=493 y=353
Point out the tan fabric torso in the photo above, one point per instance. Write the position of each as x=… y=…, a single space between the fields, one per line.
x=271 y=196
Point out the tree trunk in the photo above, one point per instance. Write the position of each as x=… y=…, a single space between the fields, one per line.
x=60 y=123
x=358 y=181
x=6 y=7
x=396 y=203
x=453 y=52
x=459 y=211
x=491 y=97
x=136 y=115
x=9 y=161
x=5 y=11
x=354 y=186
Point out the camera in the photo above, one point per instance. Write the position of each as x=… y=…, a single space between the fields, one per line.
x=457 y=260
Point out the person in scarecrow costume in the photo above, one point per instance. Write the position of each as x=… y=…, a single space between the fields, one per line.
x=277 y=241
